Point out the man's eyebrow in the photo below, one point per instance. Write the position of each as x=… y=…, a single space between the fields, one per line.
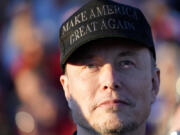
x=127 y=53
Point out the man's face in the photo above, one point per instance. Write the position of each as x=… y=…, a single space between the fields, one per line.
x=110 y=86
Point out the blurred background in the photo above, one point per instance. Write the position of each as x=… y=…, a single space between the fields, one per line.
x=32 y=101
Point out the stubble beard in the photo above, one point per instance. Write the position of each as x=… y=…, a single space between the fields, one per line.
x=122 y=128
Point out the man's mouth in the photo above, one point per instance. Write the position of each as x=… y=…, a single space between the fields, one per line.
x=113 y=102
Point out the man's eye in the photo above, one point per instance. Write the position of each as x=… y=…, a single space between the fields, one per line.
x=126 y=64
x=91 y=65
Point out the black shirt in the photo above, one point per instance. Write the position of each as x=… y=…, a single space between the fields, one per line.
x=75 y=133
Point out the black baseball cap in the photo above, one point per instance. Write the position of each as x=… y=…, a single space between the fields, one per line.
x=100 y=19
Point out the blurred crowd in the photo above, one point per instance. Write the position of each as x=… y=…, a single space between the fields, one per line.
x=32 y=101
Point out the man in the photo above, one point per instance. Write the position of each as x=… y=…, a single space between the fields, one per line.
x=110 y=77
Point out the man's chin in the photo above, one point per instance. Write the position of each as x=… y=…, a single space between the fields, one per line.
x=108 y=126
x=115 y=127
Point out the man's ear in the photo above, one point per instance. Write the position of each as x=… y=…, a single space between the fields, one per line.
x=65 y=84
x=155 y=83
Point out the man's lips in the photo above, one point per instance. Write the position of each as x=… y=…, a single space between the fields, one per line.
x=113 y=102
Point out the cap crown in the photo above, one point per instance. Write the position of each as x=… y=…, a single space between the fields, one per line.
x=103 y=19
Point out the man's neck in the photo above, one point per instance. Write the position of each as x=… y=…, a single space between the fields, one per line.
x=84 y=131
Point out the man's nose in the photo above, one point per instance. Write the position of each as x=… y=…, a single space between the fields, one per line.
x=109 y=78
